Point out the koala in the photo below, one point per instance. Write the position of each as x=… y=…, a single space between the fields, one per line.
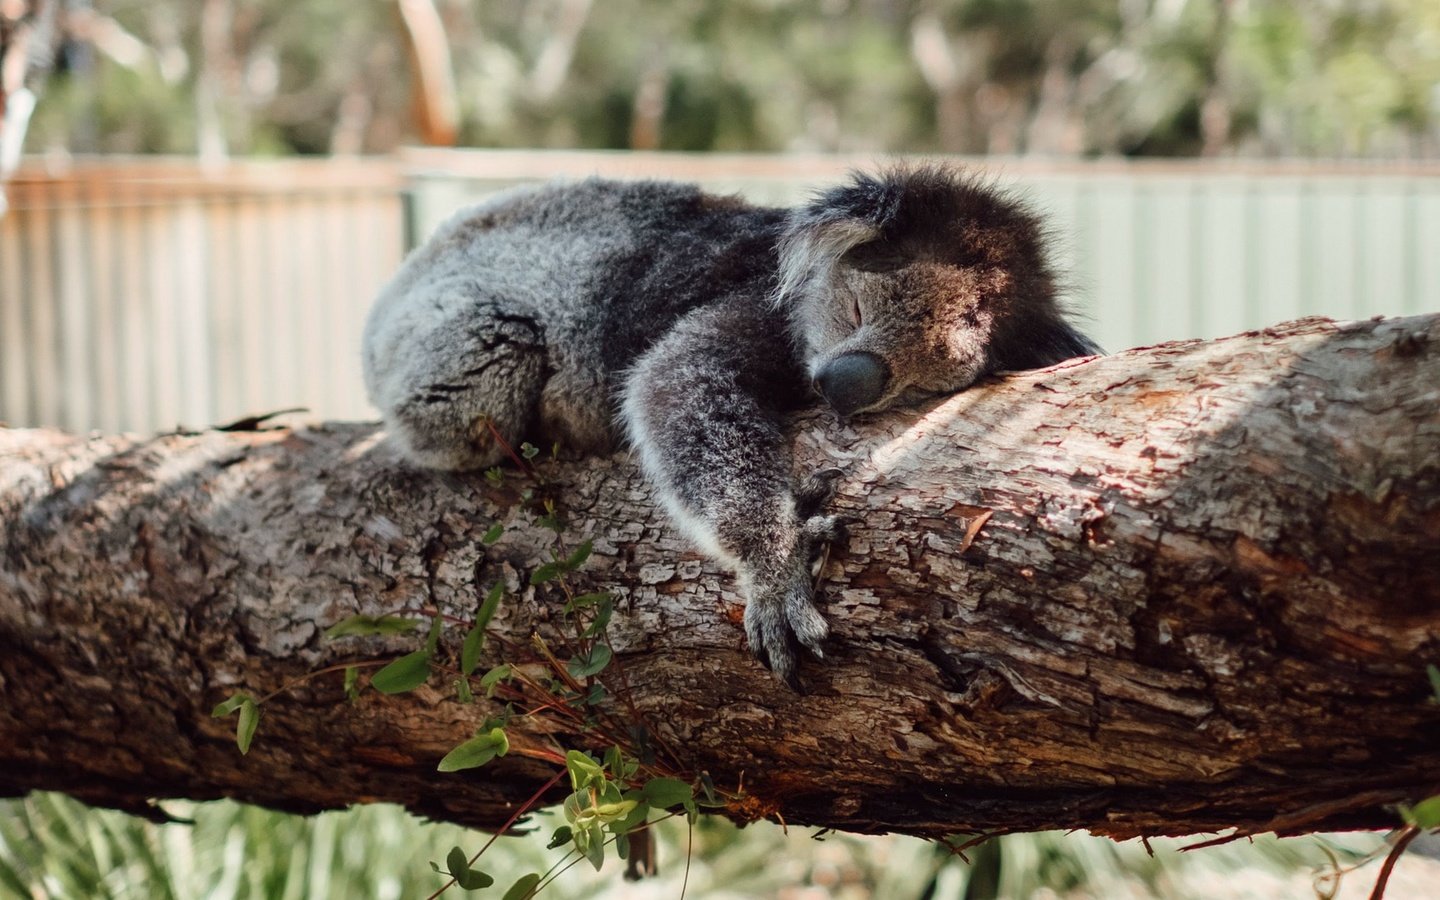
x=692 y=325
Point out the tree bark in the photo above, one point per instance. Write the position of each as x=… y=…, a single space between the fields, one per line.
x=1180 y=589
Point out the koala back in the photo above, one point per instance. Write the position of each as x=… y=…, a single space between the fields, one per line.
x=527 y=309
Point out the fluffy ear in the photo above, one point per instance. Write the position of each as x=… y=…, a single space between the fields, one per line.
x=836 y=220
x=1034 y=342
x=812 y=244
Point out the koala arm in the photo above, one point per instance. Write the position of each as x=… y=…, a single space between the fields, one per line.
x=705 y=410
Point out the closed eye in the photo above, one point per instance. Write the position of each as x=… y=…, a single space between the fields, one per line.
x=855 y=315
x=877 y=256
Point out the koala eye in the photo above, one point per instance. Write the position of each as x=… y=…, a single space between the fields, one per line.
x=855 y=315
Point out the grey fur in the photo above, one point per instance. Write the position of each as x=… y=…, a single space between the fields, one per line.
x=693 y=324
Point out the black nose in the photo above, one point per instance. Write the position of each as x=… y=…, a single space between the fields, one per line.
x=852 y=381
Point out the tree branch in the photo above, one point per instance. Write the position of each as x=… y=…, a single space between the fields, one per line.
x=1204 y=598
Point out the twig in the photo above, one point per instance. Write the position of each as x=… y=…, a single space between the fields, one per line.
x=1409 y=834
x=525 y=807
x=338 y=667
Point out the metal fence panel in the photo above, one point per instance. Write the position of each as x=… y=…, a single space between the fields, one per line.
x=146 y=295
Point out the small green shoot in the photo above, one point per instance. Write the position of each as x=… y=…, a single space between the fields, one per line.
x=365 y=626
x=248 y=721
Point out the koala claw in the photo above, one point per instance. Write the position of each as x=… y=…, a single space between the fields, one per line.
x=781 y=617
x=771 y=640
x=816 y=491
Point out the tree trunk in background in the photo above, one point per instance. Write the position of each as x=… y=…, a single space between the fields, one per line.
x=27 y=31
x=1180 y=589
x=437 y=110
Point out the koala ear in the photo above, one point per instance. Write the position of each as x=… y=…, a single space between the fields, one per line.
x=1034 y=342
x=812 y=244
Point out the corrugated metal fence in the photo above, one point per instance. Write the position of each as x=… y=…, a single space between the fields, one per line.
x=1153 y=251
x=145 y=295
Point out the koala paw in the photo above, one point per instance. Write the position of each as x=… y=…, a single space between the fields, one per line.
x=780 y=617
x=816 y=492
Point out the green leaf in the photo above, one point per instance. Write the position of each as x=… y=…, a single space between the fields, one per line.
x=607 y=794
x=1433 y=671
x=595 y=852
x=560 y=838
x=602 y=618
x=587 y=664
x=236 y=700
x=577 y=559
x=525 y=887
x=596 y=695
x=495 y=475
x=432 y=641
x=476 y=752
x=459 y=867
x=462 y=690
x=544 y=573
x=457 y=860
x=245 y=727
x=583 y=770
x=470 y=650
x=634 y=819
x=1425 y=814
x=404 y=674
x=574 y=805
x=494 y=677
x=587 y=600
x=364 y=626
x=352 y=682
x=622 y=845
x=663 y=793
x=492 y=603
x=494 y=534
x=529 y=451
x=614 y=760
x=613 y=812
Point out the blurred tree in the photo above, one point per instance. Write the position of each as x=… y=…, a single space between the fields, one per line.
x=1061 y=77
x=432 y=84
x=27 y=41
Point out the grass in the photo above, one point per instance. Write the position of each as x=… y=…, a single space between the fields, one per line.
x=54 y=847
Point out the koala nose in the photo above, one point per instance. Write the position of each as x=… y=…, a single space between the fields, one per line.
x=852 y=381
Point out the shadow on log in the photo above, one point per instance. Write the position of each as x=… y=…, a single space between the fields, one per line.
x=1181 y=589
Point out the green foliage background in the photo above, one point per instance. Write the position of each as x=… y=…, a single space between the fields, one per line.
x=1053 y=77
x=53 y=847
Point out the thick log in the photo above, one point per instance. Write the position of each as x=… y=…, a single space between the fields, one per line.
x=1180 y=589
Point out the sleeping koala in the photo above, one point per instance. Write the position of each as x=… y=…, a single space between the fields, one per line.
x=693 y=324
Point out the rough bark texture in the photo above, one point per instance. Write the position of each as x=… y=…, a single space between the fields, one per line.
x=1204 y=597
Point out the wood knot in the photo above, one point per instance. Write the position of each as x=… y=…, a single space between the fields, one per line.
x=986 y=691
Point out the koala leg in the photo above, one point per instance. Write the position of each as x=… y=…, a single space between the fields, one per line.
x=443 y=389
x=705 y=410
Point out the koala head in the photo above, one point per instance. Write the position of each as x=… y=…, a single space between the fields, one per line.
x=917 y=282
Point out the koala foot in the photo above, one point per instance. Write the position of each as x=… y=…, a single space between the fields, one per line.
x=816 y=492
x=780 y=617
